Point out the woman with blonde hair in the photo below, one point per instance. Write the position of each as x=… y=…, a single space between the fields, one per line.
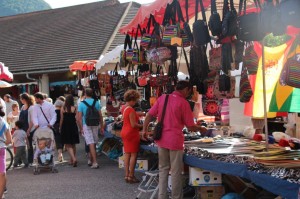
x=130 y=134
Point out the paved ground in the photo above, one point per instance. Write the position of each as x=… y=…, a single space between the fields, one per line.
x=72 y=183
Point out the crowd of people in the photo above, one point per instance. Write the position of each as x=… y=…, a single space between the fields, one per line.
x=67 y=120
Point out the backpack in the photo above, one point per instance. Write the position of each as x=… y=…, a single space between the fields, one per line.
x=92 y=117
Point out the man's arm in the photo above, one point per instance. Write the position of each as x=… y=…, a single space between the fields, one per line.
x=52 y=115
x=146 y=123
x=80 y=122
x=34 y=117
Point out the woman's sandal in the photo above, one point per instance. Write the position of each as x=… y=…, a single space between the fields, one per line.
x=133 y=179
x=126 y=178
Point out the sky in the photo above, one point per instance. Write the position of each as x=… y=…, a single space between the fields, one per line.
x=66 y=3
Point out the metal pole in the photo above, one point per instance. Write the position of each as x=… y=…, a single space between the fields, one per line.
x=264 y=94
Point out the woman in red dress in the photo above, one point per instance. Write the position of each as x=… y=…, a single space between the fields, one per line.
x=130 y=134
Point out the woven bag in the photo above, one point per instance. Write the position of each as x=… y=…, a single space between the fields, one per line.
x=245 y=87
x=250 y=60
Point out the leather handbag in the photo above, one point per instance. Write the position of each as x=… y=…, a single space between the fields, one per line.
x=229 y=23
x=200 y=29
x=215 y=24
x=290 y=14
x=248 y=23
x=250 y=60
x=245 y=87
x=157 y=132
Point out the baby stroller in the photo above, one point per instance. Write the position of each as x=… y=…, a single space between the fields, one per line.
x=44 y=150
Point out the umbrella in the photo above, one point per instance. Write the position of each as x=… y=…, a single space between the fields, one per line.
x=83 y=65
x=5 y=74
x=4 y=84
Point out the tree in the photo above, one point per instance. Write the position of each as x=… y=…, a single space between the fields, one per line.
x=14 y=7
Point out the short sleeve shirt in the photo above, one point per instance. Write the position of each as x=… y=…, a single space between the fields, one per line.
x=3 y=125
x=19 y=138
x=83 y=108
x=178 y=114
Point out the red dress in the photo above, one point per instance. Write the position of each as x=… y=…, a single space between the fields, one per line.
x=130 y=136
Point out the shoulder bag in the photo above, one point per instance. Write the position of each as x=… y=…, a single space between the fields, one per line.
x=157 y=133
x=200 y=28
x=215 y=24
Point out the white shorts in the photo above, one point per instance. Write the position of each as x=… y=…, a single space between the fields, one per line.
x=90 y=134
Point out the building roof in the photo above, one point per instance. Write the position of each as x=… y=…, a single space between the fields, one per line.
x=51 y=40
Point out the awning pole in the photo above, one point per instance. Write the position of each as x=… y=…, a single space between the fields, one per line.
x=264 y=94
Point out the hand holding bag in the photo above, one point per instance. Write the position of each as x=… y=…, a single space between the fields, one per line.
x=157 y=133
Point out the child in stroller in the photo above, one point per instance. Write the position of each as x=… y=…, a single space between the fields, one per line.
x=44 y=150
x=43 y=154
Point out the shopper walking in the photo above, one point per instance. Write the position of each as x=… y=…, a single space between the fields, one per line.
x=130 y=134
x=20 y=141
x=69 y=129
x=13 y=116
x=58 y=142
x=90 y=133
x=25 y=118
x=170 y=147
x=5 y=139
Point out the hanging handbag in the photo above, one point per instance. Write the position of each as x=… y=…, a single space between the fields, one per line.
x=290 y=14
x=127 y=44
x=215 y=58
x=229 y=23
x=157 y=132
x=290 y=74
x=248 y=23
x=212 y=107
x=250 y=59
x=200 y=28
x=171 y=28
x=186 y=25
x=215 y=24
x=224 y=82
x=148 y=39
x=245 y=87
x=158 y=55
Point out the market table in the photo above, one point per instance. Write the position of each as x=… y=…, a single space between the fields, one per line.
x=272 y=184
x=275 y=185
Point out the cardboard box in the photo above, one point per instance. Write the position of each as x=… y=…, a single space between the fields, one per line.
x=141 y=165
x=200 y=177
x=210 y=192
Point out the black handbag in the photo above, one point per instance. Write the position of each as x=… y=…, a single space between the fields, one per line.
x=224 y=82
x=186 y=26
x=290 y=12
x=200 y=28
x=215 y=24
x=229 y=23
x=157 y=133
x=248 y=23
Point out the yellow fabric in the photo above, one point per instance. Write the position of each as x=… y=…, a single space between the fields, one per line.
x=274 y=59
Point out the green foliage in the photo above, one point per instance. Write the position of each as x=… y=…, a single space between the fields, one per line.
x=14 y=7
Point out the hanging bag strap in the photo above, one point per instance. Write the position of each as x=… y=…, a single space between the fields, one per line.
x=202 y=10
x=93 y=105
x=164 y=109
x=44 y=115
x=187 y=10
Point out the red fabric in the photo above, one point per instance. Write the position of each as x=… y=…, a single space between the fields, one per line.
x=178 y=114
x=283 y=143
x=83 y=65
x=157 y=8
x=130 y=136
x=257 y=137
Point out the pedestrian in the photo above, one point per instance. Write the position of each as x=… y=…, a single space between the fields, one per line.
x=69 y=129
x=2 y=103
x=44 y=115
x=5 y=139
x=20 y=141
x=170 y=147
x=8 y=102
x=90 y=133
x=130 y=134
x=58 y=142
x=12 y=117
x=25 y=118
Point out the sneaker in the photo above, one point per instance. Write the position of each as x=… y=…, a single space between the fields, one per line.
x=95 y=166
x=89 y=163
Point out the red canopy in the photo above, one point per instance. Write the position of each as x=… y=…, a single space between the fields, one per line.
x=83 y=65
x=5 y=74
x=157 y=8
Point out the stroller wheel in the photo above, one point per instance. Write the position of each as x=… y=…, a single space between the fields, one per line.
x=54 y=170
